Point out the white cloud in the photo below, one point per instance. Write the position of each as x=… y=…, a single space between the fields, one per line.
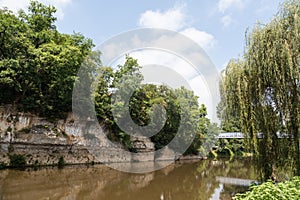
x=173 y=19
x=226 y=20
x=223 y=5
x=204 y=39
x=16 y=5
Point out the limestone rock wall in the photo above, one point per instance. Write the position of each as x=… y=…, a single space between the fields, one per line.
x=43 y=142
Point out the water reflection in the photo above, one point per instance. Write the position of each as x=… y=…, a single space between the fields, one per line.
x=196 y=180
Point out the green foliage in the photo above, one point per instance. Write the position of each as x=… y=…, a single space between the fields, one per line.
x=208 y=132
x=102 y=95
x=40 y=17
x=225 y=152
x=288 y=190
x=144 y=98
x=190 y=114
x=227 y=113
x=38 y=65
x=125 y=139
x=17 y=160
x=236 y=146
x=262 y=90
x=164 y=96
x=212 y=154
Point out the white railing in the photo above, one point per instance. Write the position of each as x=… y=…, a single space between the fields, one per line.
x=240 y=135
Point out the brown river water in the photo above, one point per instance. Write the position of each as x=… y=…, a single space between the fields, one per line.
x=205 y=179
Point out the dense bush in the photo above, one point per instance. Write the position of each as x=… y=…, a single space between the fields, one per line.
x=288 y=190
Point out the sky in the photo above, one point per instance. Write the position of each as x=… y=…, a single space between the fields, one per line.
x=218 y=26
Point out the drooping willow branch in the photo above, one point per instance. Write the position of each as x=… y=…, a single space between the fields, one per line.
x=262 y=89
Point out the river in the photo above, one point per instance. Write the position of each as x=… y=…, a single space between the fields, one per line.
x=205 y=179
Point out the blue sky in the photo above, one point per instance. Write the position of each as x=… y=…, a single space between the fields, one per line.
x=218 y=26
x=223 y=21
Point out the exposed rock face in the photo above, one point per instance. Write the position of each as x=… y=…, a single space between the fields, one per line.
x=144 y=148
x=165 y=154
x=142 y=144
x=77 y=141
x=46 y=154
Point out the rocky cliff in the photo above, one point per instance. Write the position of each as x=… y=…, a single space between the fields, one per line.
x=73 y=141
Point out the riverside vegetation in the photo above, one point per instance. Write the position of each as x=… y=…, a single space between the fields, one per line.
x=266 y=84
x=39 y=65
x=284 y=191
x=260 y=92
x=38 y=70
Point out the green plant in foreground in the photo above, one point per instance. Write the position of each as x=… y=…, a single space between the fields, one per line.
x=288 y=190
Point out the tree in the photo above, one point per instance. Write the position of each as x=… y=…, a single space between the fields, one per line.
x=263 y=90
x=190 y=113
x=38 y=64
x=229 y=117
x=148 y=110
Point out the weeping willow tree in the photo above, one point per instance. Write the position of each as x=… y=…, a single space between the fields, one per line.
x=263 y=90
x=236 y=98
x=232 y=123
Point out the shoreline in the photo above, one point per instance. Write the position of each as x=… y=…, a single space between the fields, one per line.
x=184 y=159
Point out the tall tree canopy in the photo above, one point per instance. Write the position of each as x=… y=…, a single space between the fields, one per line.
x=263 y=90
x=38 y=65
x=177 y=106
